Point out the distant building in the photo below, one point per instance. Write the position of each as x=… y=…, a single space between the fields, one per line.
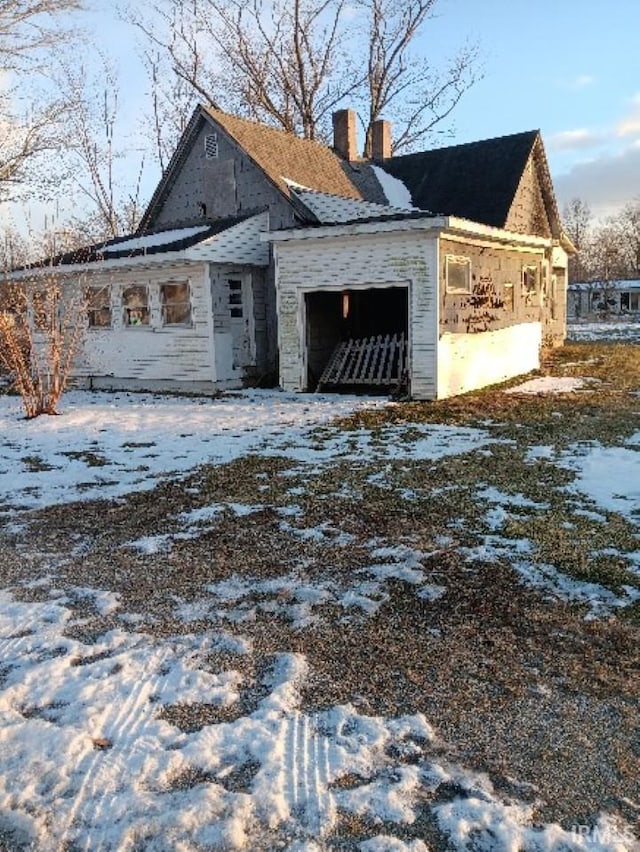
x=589 y=300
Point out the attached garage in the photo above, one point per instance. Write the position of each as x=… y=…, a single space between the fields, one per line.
x=436 y=305
x=367 y=283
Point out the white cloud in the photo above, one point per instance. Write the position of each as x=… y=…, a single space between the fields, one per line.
x=572 y=140
x=606 y=183
x=630 y=123
x=579 y=82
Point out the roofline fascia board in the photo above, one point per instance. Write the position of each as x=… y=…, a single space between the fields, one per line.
x=468 y=227
x=451 y=224
x=355 y=228
x=123 y=263
x=169 y=174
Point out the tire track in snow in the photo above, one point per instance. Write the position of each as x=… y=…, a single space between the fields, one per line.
x=124 y=725
x=32 y=636
x=307 y=773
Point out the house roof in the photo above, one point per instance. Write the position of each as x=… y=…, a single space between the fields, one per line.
x=476 y=180
x=198 y=242
x=599 y=286
x=327 y=209
x=284 y=158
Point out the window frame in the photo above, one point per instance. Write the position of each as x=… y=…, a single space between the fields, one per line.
x=146 y=309
x=461 y=261
x=236 y=289
x=527 y=291
x=186 y=323
x=102 y=306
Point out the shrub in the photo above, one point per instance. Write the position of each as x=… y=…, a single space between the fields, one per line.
x=42 y=325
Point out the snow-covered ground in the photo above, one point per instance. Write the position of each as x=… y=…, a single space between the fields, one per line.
x=87 y=763
x=86 y=759
x=622 y=331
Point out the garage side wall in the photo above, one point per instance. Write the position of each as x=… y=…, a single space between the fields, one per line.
x=339 y=263
x=467 y=362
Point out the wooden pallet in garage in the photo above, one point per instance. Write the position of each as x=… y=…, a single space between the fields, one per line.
x=377 y=361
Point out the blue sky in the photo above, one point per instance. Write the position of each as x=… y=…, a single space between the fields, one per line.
x=570 y=68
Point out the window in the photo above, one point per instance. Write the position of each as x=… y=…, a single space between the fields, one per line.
x=211 y=146
x=98 y=307
x=135 y=304
x=458 y=274
x=509 y=300
x=630 y=301
x=529 y=281
x=235 y=297
x=176 y=306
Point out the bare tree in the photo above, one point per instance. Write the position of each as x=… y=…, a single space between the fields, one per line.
x=29 y=27
x=172 y=103
x=627 y=224
x=29 y=31
x=577 y=221
x=401 y=83
x=290 y=63
x=93 y=149
x=42 y=326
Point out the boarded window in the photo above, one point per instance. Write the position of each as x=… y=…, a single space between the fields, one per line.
x=529 y=280
x=135 y=305
x=98 y=307
x=458 y=274
x=235 y=297
x=176 y=304
x=211 y=146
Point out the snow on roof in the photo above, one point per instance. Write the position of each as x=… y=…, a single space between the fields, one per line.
x=395 y=190
x=334 y=209
x=147 y=241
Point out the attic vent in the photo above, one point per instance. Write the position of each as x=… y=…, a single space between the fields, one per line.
x=211 y=146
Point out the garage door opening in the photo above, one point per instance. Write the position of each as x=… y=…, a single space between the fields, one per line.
x=357 y=340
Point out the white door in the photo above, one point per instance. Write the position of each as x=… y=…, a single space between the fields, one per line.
x=241 y=320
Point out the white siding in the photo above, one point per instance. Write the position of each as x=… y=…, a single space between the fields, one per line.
x=155 y=352
x=337 y=263
x=239 y=244
x=470 y=361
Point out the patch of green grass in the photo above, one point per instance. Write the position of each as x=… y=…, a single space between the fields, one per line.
x=608 y=413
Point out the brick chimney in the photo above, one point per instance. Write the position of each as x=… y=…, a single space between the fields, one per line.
x=345 y=142
x=380 y=140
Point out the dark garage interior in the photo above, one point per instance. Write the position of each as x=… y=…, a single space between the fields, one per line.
x=359 y=316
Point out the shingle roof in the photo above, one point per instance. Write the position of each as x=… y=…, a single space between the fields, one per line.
x=329 y=209
x=477 y=180
x=283 y=156
x=133 y=245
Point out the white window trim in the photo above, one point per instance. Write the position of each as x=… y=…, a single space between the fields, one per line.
x=526 y=268
x=188 y=323
x=107 y=303
x=459 y=260
x=142 y=326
